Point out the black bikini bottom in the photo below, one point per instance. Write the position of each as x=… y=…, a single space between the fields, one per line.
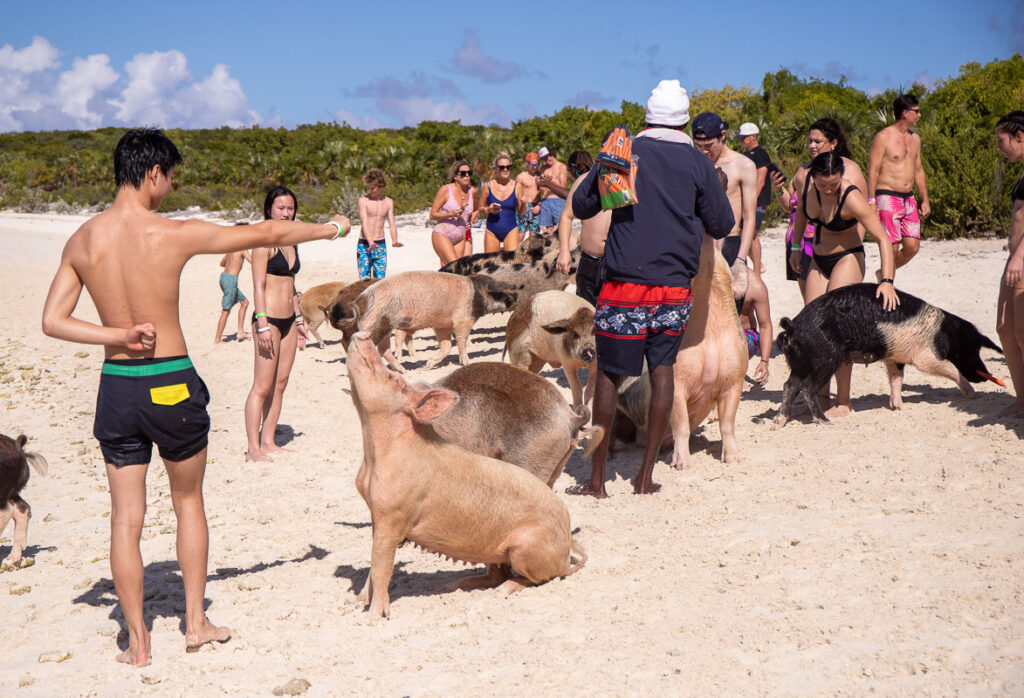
x=827 y=262
x=283 y=324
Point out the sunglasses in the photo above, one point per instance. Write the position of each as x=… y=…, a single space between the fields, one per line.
x=504 y=167
x=464 y=173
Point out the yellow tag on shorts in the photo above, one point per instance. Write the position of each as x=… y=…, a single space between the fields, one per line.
x=169 y=394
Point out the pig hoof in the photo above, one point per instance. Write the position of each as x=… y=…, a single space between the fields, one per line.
x=513 y=585
x=646 y=487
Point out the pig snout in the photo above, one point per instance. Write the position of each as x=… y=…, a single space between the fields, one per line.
x=588 y=354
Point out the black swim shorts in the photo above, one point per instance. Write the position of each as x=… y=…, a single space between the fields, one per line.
x=590 y=275
x=145 y=401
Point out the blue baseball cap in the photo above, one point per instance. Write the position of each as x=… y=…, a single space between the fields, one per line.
x=708 y=125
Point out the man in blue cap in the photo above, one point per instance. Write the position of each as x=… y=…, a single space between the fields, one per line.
x=709 y=137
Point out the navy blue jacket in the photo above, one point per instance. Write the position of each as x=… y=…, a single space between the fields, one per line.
x=657 y=240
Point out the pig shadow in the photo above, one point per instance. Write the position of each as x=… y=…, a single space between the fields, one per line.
x=164 y=595
x=410 y=583
x=285 y=434
x=29 y=551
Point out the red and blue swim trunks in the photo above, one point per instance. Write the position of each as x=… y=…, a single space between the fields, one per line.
x=634 y=322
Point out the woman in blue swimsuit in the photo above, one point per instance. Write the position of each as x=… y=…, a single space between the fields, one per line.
x=501 y=198
x=278 y=328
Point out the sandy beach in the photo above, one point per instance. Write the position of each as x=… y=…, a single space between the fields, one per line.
x=879 y=554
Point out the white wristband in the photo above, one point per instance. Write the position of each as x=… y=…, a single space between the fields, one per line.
x=337 y=225
x=261 y=330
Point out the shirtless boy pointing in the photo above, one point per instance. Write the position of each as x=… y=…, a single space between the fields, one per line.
x=149 y=391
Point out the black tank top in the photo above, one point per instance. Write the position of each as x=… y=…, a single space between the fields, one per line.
x=278 y=264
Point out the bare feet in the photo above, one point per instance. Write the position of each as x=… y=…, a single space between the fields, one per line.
x=242 y=336
x=207 y=632
x=839 y=411
x=646 y=487
x=586 y=488
x=274 y=448
x=258 y=456
x=138 y=657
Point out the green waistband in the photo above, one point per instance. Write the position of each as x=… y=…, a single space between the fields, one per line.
x=155 y=369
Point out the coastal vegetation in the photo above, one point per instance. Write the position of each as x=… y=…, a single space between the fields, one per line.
x=228 y=169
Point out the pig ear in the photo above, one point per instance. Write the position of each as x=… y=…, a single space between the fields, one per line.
x=428 y=406
x=557 y=327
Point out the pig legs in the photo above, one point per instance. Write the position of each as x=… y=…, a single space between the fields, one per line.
x=571 y=374
x=444 y=342
x=382 y=565
x=728 y=403
x=895 y=371
x=20 y=512
x=929 y=363
x=680 y=423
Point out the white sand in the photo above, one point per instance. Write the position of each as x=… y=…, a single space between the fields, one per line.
x=882 y=553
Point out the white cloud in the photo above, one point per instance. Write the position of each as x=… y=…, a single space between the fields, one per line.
x=37 y=56
x=77 y=87
x=152 y=78
x=409 y=112
x=470 y=59
x=156 y=88
x=216 y=101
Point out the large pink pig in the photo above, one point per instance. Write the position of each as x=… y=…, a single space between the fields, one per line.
x=443 y=498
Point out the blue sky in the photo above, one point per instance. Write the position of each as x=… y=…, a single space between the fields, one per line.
x=193 y=64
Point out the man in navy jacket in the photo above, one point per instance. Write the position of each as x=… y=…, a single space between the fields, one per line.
x=652 y=253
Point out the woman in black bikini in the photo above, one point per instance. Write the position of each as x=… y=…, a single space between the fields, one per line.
x=823 y=136
x=278 y=329
x=834 y=206
x=1010 y=312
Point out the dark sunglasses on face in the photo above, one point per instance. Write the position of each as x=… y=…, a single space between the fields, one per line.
x=464 y=173
x=504 y=167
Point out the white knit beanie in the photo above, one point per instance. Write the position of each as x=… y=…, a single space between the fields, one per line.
x=668 y=104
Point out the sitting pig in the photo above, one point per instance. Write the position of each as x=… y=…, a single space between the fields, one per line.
x=557 y=328
x=415 y=300
x=709 y=369
x=443 y=498
x=513 y=415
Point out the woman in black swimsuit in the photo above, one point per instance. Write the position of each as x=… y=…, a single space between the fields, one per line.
x=835 y=206
x=278 y=328
x=1010 y=309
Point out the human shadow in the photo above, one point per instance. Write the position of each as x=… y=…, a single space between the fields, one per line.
x=164 y=595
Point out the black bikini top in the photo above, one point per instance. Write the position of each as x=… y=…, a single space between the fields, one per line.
x=278 y=264
x=838 y=224
x=1017 y=193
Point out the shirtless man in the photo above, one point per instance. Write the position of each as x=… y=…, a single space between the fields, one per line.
x=590 y=272
x=149 y=389
x=374 y=209
x=232 y=263
x=527 y=179
x=709 y=138
x=552 y=174
x=894 y=169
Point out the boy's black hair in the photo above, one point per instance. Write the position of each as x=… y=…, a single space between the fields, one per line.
x=137 y=152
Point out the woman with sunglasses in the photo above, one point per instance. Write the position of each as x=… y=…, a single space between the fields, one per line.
x=453 y=211
x=823 y=136
x=501 y=198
